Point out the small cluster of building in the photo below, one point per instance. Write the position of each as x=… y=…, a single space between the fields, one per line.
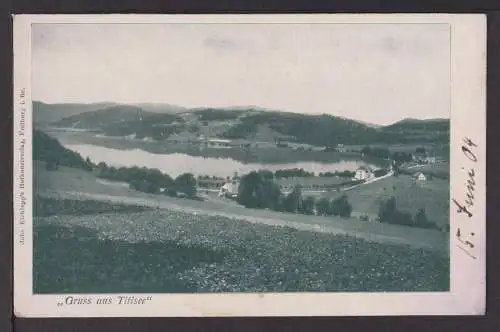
x=186 y=138
x=423 y=158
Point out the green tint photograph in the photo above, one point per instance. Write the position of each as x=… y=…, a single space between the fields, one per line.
x=182 y=158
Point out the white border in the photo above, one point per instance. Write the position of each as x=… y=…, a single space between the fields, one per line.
x=468 y=119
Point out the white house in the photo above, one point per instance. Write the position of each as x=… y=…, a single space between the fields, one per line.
x=229 y=189
x=218 y=143
x=363 y=173
x=430 y=160
x=420 y=176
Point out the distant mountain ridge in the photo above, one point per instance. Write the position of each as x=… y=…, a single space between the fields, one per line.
x=159 y=121
x=102 y=118
x=44 y=113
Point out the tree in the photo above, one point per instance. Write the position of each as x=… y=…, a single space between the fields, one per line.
x=390 y=214
x=170 y=192
x=272 y=196
x=308 y=205
x=186 y=183
x=293 y=201
x=387 y=210
x=402 y=218
x=249 y=191
x=266 y=174
x=420 y=150
x=153 y=188
x=322 y=206
x=193 y=128
x=102 y=166
x=340 y=207
x=89 y=162
x=422 y=221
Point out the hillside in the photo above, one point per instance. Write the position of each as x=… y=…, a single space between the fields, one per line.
x=44 y=113
x=419 y=125
x=153 y=125
x=432 y=196
x=321 y=130
x=158 y=121
x=415 y=130
x=102 y=118
x=162 y=108
x=48 y=149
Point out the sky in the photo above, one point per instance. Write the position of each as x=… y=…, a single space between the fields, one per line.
x=377 y=73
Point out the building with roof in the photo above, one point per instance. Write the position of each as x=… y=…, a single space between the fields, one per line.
x=230 y=189
x=363 y=173
x=182 y=138
x=419 y=176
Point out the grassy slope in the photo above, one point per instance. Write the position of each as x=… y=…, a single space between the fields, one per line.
x=84 y=185
x=433 y=196
x=167 y=251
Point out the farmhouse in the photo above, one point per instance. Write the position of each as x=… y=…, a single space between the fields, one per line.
x=230 y=189
x=420 y=176
x=423 y=158
x=182 y=138
x=218 y=143
x=211 y=183
x=363 y=173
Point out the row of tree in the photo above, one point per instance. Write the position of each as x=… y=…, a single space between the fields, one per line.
x=301 y=173
x=260 y=192
x=150 y=180
x=388 y=213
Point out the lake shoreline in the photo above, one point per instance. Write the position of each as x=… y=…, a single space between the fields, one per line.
x=244 y=155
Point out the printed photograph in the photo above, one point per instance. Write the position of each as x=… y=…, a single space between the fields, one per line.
x=240 y=158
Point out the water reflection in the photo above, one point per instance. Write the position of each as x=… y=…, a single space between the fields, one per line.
x=178 y=163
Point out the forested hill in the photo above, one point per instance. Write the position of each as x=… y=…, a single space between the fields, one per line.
x=256 y=123
x=44 y=113
x=47 y=114
x=419 y=125
x=104 y=117
x=321 y=130
x=414 y=130
x=49 y=150
x=327 y=130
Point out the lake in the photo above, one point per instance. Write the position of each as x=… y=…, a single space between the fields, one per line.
x=175 y=164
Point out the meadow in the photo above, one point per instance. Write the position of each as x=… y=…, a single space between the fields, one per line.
x=411 y=195
x=77 y=250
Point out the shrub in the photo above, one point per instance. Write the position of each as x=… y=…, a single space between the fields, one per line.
x=322 y=206
x=257 y=191
x=186 y=183
x=308 y=205
x=340 y=207
x=293 y=201
x=422 y=221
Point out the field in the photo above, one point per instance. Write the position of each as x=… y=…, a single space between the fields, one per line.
x=95 y=236
x=411 y=195
x=71 y=183
x=158 y=250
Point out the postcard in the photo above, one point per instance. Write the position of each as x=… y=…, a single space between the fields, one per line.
x=249 y=165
